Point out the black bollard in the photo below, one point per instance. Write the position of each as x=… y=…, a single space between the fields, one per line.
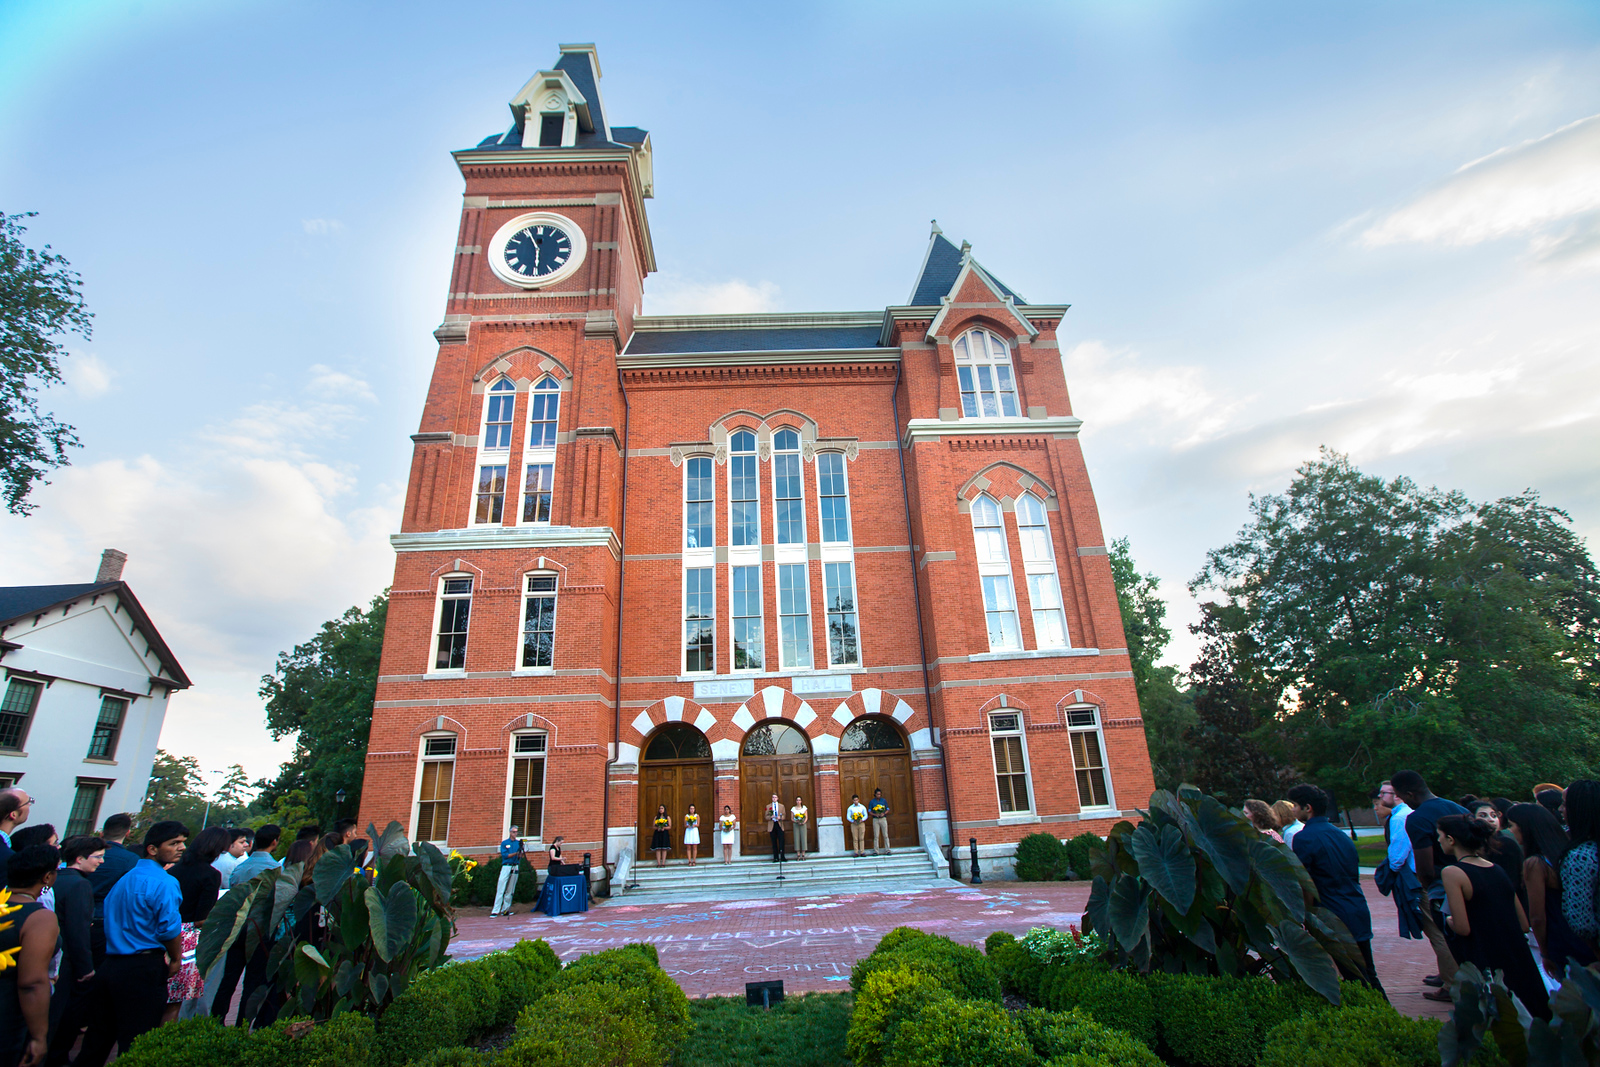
x=977 y=878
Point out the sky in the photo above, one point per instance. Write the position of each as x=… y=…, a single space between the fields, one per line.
x=1367 y=226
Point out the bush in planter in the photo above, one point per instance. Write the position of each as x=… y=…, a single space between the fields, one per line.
x=454 y=1004
x=1112 y=998
x=1014 y=965
x=593 y=1024
x=967 y=1032
x=962 y=969
x=1041 y=858
x=1072 y=1039
x=485 y=882
x=632 y=967
x=886 y=999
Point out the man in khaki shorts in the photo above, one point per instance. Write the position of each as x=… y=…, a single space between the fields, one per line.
x=878 y=808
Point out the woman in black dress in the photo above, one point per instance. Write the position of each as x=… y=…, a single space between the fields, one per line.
x=1546 y=846
x=1486 y=921
x=661 y=840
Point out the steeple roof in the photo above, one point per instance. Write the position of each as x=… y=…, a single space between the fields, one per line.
x=940 y=268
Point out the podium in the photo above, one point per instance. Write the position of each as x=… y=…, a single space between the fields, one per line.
x=564 y=893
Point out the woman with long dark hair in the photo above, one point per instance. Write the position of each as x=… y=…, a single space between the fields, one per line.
x=1486 y=921
x=201 y=884
x=1545 y=847
x=1504 y=849
x=1580 y=868
x=661 y=837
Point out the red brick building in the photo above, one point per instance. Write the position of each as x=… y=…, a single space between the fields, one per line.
x=674 y=559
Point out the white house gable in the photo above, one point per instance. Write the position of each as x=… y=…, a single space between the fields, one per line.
x=89 y=644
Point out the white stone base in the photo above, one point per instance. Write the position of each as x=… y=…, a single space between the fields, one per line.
x=935 y=823
x=830 y=836
x=996 y=863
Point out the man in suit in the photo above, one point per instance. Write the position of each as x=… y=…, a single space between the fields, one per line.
x=775 y=814
x=14 y=806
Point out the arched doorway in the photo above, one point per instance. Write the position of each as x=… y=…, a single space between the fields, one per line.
x=675 y=770
x=775 y=758
x=873 y=754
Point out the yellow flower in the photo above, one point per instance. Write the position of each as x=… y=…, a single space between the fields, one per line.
x=8 y=958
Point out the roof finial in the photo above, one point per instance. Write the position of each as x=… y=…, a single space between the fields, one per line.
x=936 y=230
x=966 y=247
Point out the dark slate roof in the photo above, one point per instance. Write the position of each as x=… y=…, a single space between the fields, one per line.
x=774 y=339
x=939 y=270
x=20 y=601
x=629 y=134
x=580 y=69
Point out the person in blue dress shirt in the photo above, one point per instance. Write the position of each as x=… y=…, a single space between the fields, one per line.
x=144 y=947
x=1329 y=856
x=511 y=851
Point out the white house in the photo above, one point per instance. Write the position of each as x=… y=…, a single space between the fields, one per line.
x=87 y=678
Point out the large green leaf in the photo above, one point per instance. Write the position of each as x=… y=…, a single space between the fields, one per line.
x=285 y=887
x=1205 y=938
x=437 y=867
x=1310 y=961
x=1227 y=840
x=1094 y=912
x=352 y=926
x=1472 y=1012
x=1166 y=863
x=333 y=870
x=258 y=923
x=393 y=842
x=1129 y=918
x=393 y=918
x=223 y=926
x=378 y=982
x=1276 y=869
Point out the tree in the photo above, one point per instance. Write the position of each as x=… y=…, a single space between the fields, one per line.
x=176 y=791
x=1394 y=626
x=1231 y=738
x=1168 y=710
x=322 y=693
x=40 y=302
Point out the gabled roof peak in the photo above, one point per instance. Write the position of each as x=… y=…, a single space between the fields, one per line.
x=941 y=267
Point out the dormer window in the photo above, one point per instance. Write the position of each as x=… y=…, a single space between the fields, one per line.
x=551 y=126
x=983 y=365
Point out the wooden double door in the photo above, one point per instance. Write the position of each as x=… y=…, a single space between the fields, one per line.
x=862 y=772
x=761 y=776
x=677 y=784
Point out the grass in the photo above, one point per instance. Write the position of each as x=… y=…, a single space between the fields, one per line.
x=1370 y=851
x=804 y=1031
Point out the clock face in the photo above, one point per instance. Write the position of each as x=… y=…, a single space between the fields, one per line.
x=536 y=249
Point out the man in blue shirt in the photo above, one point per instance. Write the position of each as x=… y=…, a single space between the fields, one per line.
x=144 y=947
x=510 y=863
x=1421 y=826
x=260 y=858
x=119 y=860
x=1330 y=858
x=236 y=965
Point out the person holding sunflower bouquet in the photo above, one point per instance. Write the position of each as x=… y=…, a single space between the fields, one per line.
x=798 y=815
x=729 y=827
x=661 y=840
x=691 y=833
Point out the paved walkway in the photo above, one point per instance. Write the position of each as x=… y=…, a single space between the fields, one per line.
x=712 y=948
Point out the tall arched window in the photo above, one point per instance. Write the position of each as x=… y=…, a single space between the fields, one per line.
x=699 y=521
x=436 y=772
x=497 y=415
x=494 y=451
x=744 y=493
x=788 y=506
x=994 y=573
x=983 y=366
x=544 y=405
x=539 y=453
x=1039 y=566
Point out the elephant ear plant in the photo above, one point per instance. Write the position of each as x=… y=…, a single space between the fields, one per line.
x=1195 y=889
x=1484 y=1007
x=385 y=923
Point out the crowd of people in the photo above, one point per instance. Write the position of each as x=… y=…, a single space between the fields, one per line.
x=102 y=932
x=1507 y=886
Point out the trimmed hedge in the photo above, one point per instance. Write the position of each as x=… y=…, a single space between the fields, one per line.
x=594 y=1024
x=1042 y=858
x=1078 y=850
x=1112 y=998
x=962 y=969
x=1365 y=1036
x=1073 y=1039
x=971 y=1033
x=886 y=999
x=633 y=967
x=344 y=1041
x=1014 y=965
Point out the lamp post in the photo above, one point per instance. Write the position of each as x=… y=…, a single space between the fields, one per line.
x=207 y=816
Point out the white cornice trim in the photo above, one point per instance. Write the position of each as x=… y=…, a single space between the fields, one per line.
x=490 y=537
x=759 y=358
x=933 y=429
x=759 y=320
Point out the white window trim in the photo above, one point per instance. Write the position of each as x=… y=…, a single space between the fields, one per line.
x=535 y=456
x=1009 y=363
x=994 y=570
x=850 y=511
x=494 y=457
x=522 y=620
x=489 y=393
x=416 y=786
x=799 y=454
x=512 y=755
x=1027 y=766
x=710 y=550
x=1098 y=729
x=810 y=616
x=1044 y=566
x=855 y=598
x=438 y=617
x=761 y=602
x=755 y=455
x=683 y=622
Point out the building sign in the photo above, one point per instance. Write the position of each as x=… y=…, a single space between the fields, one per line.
x=725 y=689
x=822 y=683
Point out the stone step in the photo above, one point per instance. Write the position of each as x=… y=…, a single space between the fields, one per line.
x=908 y=870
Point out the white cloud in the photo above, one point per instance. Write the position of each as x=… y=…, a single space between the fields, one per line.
x=1111 y=387
x=1546 y=189
x=239 y=546
x=321 y=227
x=673 y=294
x=335 y=383
x=87 y=374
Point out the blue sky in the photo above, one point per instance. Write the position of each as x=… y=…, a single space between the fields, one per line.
x=1370 y=226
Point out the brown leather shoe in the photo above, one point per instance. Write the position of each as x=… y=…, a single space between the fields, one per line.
x=1434 y=980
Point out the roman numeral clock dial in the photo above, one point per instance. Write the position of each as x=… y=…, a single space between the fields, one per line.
x=537 y=249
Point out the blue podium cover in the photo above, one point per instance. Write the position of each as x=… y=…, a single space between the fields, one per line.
x=563 y=893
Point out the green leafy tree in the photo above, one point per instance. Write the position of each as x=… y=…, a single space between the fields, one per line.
x=1167 y=709
x=322 y=693
x=176 y=791
x=40 y=302
x=1232 y=743
x=1393 y=626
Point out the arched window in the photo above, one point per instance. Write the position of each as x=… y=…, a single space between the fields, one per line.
x=775 y=739
x=539 y=453
x=452 y=614
x=544 y=405
x=1039 y=566
x=833 y=498
x=744 y=499
x=527 y=783
x=1088 y=756
x=539 y=620
x=788 y=508
x=699 y=521
x=983 y=366
x=870 y=735
x=436 y=773
x=497 y=415
x=994 y=574
x=677 y=740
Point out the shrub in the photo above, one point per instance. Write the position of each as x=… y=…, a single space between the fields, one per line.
x=962 y=969
x=634 y=968
x=965 y=1032
x=592 y=1024
x=191 y=1043
x=525 y=969
x=1072 y=1039
x=453 y=1057
x=1041 y=858
x=806 y=1030
x=1365 y=1036
x=1111 y=998
x=343 y=1041
x=887 y=998
x=1078 y=851
x=484 y=879
x=1049 y=945
x=453 y=1004
x=1014 y=965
